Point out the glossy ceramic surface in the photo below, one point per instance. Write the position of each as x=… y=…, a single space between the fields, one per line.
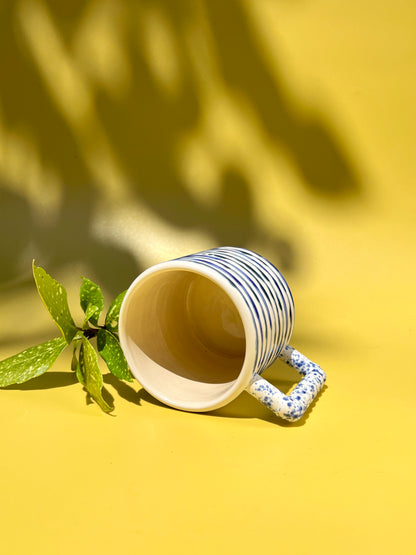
x=198 y=330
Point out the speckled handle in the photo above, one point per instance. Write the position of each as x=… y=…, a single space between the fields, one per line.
x=293 y=406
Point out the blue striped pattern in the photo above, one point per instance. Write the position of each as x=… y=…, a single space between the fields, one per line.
x=265 y=293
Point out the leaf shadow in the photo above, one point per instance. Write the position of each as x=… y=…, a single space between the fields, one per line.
x=145 y=129
x=123 y=389
x=54 y=380
x=49 y=380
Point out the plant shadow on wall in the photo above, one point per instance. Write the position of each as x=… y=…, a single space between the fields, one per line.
x=100 y=100
x=67 y=239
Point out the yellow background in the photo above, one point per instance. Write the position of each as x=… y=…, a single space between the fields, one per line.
x=134 y=132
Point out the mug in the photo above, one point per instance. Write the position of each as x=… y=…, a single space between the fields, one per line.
x=199 y=330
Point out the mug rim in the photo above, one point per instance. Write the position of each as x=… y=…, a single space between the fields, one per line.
x=247 y=369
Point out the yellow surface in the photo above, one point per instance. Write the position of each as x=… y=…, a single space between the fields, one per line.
x=286 y=127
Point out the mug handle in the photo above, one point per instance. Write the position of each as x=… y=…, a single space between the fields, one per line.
x=293 y=406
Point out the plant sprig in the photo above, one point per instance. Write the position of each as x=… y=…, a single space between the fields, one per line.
x=34 y=361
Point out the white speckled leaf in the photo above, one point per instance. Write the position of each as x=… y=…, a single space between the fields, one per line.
x=110 y=350
x=90 y=373
x=111 y=320
x=74 y=361
x=54 y=296
x=75 y=365
x=90 y=314
x=31 y=362
x=92 y=300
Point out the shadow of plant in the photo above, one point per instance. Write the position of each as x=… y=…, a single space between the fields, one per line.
x=68 y=239
x=126 y=106
x=49 y=380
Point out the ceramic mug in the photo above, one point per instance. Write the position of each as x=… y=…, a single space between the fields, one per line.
x=199 y=330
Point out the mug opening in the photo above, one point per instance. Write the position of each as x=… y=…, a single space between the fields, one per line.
x=184 y=338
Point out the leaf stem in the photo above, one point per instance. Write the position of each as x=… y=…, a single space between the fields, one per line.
x=90 y=332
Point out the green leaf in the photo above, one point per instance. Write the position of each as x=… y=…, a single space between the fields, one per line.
x=89 y=313
x=75 y=365
x=54 y=296
x=31 y=362
x=111 y=319
x=74 y=361
x=92 y=301
x=110 y=350
x=79 y=374
x=90 y=374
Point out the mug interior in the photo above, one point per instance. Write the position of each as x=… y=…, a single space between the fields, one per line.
x=184 y=338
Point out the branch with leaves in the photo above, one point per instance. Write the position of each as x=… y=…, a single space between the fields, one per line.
x=35 y=361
